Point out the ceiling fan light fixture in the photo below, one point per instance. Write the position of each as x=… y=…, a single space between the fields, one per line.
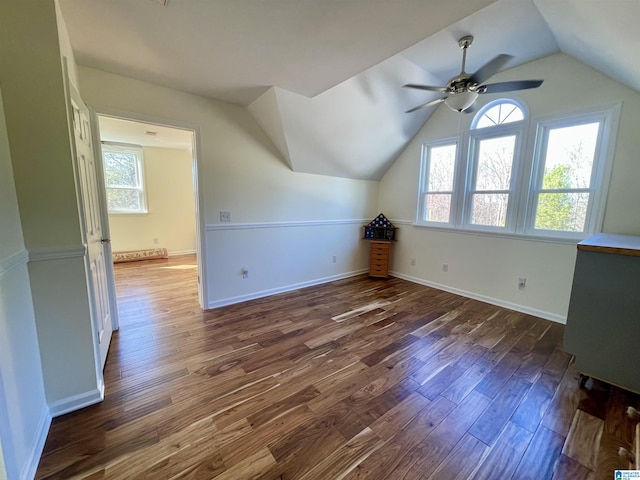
x=461 y=101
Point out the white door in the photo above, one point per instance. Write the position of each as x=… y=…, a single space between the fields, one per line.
x=98 y=257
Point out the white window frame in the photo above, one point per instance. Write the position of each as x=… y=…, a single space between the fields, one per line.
x=140 y=188
x=500 y=101
x=600 y=173
x=475 y=137
x=526 y=173
x=425 y=166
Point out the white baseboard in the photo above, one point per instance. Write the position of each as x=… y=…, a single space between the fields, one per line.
x=483 y=298
x=554 y=317
x=286 y=288
x=177 y=253
x=29 y=470
x=77 y=402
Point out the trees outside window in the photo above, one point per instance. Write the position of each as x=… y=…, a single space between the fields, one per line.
x=123 y=176
x=566 y=188
x=438 y=190
x=491 y=189
x=485 y=181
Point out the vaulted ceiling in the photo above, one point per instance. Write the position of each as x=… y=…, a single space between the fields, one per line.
x=324 y=78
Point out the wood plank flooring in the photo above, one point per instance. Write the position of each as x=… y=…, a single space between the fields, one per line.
x=355 y=379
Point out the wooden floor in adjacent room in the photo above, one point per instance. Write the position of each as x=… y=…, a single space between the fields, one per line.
x=357 y=378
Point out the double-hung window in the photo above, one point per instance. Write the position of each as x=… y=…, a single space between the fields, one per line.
x=438 y=177
x=488 y=179
x=124 y=179
x=491 y=174
x=569 y=175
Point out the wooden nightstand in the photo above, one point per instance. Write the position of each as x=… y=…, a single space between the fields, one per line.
x=379 y=259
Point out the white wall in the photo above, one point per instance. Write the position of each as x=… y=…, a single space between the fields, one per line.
x=43 y=169
x=24 y=415
x=488 y=267
x=241 y=171
x=171 y=217
x=360 y=118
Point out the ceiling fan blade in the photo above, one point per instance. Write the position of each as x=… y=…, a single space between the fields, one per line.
x=489 y=69
x=509 y=86
x=426 y=87
x=428 y=104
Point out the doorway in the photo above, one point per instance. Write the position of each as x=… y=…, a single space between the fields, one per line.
x=166 y=217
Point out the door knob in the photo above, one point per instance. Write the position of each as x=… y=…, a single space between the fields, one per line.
x=105 y=240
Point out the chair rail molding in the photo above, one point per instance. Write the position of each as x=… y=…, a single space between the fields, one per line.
x=57 y=253
x=286 y=224
x=13 y=261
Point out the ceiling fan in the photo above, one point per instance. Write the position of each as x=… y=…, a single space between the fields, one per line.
x=463 y=89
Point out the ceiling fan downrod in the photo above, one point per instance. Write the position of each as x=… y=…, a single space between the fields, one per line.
x=464 y=43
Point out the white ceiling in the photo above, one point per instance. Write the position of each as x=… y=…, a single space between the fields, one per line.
x=337 y=66
x=118 y=130
x=236 y=49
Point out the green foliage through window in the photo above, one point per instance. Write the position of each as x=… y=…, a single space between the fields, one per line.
x=506 y=175
x=123 y=179
x=554 y=209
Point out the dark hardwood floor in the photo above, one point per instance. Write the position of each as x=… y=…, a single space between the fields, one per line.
x=358 y=378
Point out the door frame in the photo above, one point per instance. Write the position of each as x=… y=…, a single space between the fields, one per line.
x=201 y=249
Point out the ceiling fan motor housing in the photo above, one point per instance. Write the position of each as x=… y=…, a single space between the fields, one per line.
x=460 y=83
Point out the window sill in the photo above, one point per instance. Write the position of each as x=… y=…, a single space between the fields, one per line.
x=129 y=213
x=512 y=236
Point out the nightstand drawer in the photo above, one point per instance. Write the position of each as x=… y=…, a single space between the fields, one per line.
x=379 y=247
x=378 y=272
x=379 y=257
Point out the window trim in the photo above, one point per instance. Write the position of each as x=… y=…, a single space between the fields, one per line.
x=482 y=112
x=475 y=137
x=608 y=119
x=524 y=175
x=137 y=151
x=425 y=163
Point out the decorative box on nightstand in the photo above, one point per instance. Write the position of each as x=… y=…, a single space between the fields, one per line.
x=381 y=233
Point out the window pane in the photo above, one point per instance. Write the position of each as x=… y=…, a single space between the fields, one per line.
x=442 y=162
x=123 y=199
x=489 y=209
x=499 y=114
x=495 y=161
x=437 y=207
x=121 y=169
x=569 y=157
x=562 y=211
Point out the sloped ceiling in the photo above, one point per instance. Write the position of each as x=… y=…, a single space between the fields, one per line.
x=324 y=79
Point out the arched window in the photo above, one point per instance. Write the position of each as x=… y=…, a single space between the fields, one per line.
x=482 y=180
x=498 y=112
x=491 y=162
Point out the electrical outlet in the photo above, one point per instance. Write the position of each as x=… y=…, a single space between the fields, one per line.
x=225 y=216
x=413 y=262
x=335 y=259
x=156 y=241
x=522 y=282
x=245 y=272
x=445 y=267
